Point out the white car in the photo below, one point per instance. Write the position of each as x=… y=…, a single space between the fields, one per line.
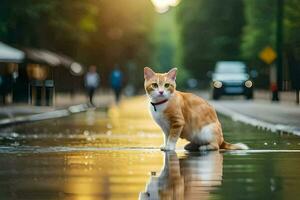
x=231 y=78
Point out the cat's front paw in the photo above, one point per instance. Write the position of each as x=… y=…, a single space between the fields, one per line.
x=167 y=148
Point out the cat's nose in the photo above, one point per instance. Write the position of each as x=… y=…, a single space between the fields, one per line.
x=161 y=92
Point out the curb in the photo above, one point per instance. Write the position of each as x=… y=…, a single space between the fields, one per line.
x=273 y=127
x=46 y=115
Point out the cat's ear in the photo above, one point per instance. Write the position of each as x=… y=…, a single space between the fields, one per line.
x=172 y=74
x=148 y=73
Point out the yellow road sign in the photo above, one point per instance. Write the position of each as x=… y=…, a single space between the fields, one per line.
x=268 y=55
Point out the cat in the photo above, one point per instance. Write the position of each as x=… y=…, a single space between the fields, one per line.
x=186 y=177
x=183 y=115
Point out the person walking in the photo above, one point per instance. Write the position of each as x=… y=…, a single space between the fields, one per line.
x=92 y=81
x=116 y=78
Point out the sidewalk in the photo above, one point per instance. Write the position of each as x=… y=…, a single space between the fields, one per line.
x=65 y=105
x=286 y=97
x=281 y=116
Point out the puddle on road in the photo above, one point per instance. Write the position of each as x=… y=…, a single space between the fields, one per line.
x=78 y=175
x=116 y=156
x=143 y=174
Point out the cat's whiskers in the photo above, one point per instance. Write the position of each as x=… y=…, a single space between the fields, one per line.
x=183 y=115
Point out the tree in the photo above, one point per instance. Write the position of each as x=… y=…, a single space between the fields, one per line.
x=259 y=31
x=210 y=31
x=167 y=47
x=292 y=21
x=98 y=32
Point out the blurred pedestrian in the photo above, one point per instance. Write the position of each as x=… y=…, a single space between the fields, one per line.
x=92 y=81
x=116 y=82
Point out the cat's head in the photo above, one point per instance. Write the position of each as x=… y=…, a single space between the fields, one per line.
x=159 y=86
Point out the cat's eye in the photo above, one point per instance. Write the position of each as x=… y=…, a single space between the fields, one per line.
x=167 y=85
x=155 y=85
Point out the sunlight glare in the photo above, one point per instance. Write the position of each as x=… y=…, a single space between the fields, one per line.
x=162 y=6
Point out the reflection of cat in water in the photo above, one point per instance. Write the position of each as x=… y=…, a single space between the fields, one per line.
x=190 y=177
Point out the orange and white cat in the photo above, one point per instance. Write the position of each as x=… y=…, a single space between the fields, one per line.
x=183 y=115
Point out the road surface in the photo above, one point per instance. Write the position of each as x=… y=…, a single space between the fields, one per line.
x=115 y=155
x=284 y=116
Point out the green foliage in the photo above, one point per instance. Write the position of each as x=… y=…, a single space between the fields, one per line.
x=210 y=31
x=292 y=21
x=260 y=28
x=167 y=46
x=100 y=32
x=192 y=36
x=259 y=32
x=234 y=30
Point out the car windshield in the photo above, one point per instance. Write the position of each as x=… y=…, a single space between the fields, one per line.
x=230 y=67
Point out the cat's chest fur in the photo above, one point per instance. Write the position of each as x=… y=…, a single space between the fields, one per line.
x=159 y=117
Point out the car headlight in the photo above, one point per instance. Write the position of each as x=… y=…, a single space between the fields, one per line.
x=217 y=84
x=248 y=84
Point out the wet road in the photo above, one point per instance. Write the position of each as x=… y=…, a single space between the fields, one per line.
x=115 y=155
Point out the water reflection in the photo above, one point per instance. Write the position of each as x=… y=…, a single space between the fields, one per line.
x=93 y=156
x=187 y=177
x=92 y=175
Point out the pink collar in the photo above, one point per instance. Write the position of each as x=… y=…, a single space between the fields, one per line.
x=158 y=103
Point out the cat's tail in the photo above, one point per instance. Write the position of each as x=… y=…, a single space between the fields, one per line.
x=237 y=146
